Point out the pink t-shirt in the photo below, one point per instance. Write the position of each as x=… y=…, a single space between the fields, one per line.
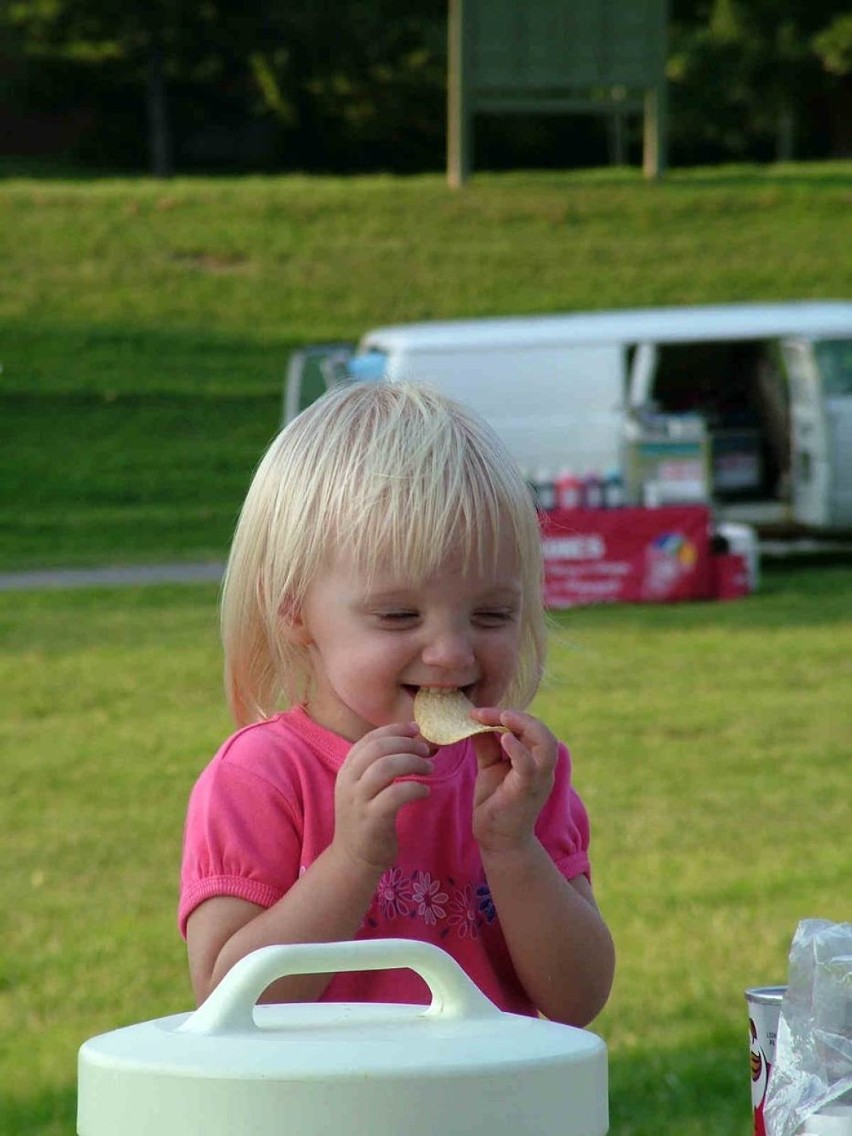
x=263 y=810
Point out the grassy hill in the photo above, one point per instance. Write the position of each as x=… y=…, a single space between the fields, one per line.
x=144 y=331
x=145 y=326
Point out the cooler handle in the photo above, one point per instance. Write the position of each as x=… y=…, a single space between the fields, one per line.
x=230 y=1007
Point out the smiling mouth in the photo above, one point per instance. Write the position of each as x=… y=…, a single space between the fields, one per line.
x=412 y=690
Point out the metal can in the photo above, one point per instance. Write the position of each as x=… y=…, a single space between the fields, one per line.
x=764 y=1008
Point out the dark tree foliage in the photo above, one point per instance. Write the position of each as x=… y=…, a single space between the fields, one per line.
x=749 y=81
x=356 y=85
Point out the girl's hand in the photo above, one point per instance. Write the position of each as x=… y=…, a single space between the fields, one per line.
x=369 y=793
x=516 y=774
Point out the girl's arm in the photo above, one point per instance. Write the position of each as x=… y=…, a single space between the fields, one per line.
x=560 y=946
x=329 y=901
x=325 y=904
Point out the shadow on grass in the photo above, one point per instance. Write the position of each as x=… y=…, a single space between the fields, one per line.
x=130 y=445
x=50 y=1113
x=43 y=358
x=701 y=1091
x=798 y=175
x=745 y=175
x=53 y=169
x=807 y=175
x=139 y=477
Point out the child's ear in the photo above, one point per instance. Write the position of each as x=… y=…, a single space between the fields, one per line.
x=293 y=626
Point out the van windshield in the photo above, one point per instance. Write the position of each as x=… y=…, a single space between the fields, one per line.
x=834 y=359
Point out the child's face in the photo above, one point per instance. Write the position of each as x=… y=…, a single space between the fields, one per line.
x=373 y=643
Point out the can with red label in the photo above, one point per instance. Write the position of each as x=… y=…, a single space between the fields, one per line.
x=764 y=1008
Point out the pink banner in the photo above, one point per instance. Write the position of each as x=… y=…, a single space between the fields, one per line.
x=626 y=555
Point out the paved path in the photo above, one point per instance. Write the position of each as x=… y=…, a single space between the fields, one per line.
x=206 y=572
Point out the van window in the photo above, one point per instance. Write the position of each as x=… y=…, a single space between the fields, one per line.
x=834 y=360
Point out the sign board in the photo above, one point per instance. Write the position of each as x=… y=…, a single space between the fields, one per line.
x=626 y=555
x=546 y=56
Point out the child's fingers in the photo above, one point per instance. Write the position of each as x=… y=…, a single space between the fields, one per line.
x=530 y=730
x=399 y=793
x=526 y=734
x=489 y=715
x=517 y=753
x=397 y=738
x=387 y=770
x=524 y=726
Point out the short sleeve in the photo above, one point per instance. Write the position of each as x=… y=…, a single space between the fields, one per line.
x=563 y=824
x=241 y=839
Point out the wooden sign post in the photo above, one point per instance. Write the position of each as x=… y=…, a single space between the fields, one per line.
x=553 y=57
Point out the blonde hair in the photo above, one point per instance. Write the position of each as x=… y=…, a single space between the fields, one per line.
x=390 y=472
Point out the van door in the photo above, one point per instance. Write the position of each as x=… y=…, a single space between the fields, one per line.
x=834 y=362
x=311 y=371
x=811 y=461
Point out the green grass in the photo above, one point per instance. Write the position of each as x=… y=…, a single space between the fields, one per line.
x=144 y=332
x=293 y=257
x=145 y=326
x=710 y=742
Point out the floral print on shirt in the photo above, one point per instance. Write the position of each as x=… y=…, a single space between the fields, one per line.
x=452 y=909
x=394 y=894
x=429 y=897
x=464 y=912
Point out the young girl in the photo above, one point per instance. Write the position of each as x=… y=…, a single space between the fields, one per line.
x=389 y=542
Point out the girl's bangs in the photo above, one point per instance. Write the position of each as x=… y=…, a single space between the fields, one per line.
x=411 y=528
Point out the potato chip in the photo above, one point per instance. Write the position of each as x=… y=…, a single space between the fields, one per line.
x=443 y=715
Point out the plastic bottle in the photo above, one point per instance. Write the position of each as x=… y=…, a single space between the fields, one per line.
x=569 y=490
x=613 y=490
x=592 y=491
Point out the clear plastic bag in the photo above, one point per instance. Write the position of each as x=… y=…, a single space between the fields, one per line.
x=813 y=1054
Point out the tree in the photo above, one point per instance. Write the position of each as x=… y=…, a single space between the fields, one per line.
x=355 y=83
x=759 y=63
x=833 y=46
x=152 y=43
x=349 y=85
x=345 y=83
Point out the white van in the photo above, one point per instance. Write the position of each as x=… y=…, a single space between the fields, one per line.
x=771 y=385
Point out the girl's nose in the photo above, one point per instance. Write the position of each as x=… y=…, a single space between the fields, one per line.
x=448 y=650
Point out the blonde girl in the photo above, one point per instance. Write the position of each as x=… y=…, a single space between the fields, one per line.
x=388 y=542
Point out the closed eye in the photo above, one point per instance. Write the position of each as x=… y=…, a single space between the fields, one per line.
x=400 y=618
x=494 y=617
